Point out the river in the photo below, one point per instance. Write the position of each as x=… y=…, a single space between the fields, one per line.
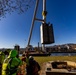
x=63 y=54
x=60 y=54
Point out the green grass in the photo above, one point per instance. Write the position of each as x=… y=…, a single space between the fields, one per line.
x=41 y=60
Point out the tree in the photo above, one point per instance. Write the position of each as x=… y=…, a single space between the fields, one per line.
x=9 y=6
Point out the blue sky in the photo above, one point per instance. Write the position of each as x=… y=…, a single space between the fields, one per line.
x=14 y=29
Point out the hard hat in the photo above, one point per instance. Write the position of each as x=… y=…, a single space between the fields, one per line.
x=31 y=57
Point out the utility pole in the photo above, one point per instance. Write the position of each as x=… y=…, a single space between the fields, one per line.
x=44 y=12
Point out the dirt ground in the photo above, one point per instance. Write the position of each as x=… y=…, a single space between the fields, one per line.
x=42 y=71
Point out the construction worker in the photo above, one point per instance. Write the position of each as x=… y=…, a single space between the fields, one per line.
x=6 y=52
x=2 y=57
x=34 y=67
x=25 y=58
x=11 y=63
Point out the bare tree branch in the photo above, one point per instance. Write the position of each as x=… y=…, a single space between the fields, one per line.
x=9 y=6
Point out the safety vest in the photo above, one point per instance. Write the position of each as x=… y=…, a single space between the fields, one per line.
x=9 y=67
x=6 y=66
